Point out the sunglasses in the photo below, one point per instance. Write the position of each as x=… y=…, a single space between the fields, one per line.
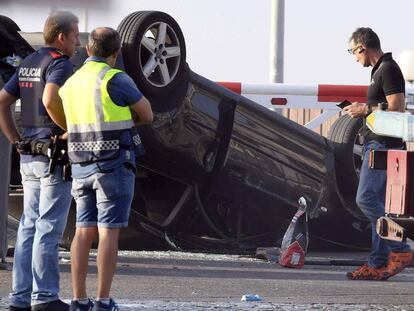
x=352 y=51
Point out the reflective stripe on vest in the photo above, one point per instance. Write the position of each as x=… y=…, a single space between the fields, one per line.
x=94 y=121
x=94 y=145
x=136 y=139
x=100 y=145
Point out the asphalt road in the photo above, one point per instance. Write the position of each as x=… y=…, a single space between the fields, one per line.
x=189 y=281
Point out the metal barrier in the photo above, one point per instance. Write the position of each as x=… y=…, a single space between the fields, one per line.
x=315 y=96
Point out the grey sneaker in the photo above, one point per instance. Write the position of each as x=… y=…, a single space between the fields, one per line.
x=100 y=306
x=76 y=306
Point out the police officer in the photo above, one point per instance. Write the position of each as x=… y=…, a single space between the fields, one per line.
x=46 y=195
x=99 y=105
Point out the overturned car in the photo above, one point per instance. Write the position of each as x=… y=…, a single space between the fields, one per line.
x=220 y=172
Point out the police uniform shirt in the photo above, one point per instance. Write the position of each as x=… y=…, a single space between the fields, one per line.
x=123 y=92
x=58 y=71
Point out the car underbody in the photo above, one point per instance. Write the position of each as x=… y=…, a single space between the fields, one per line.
x=220 y=173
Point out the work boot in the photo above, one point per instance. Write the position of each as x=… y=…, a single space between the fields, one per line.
x=366 y=272
x=398 y=261
x=100 y=306
x=55 y=305
x=77 y=306
x=13 y=308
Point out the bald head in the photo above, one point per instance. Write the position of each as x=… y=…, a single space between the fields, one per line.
x=104 y=42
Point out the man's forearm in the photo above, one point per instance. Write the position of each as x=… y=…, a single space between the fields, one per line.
x=7 y=124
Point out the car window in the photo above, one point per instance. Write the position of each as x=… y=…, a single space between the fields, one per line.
x=207 y=104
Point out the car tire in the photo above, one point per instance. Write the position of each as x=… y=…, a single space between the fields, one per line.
x=153 y=51
x=345 y=133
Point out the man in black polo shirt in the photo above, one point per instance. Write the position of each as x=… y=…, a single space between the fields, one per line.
x=387 y=85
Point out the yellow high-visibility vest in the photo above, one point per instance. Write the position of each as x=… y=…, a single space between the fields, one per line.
x=94 y=121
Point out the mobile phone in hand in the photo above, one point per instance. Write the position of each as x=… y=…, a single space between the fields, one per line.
x=343 y=104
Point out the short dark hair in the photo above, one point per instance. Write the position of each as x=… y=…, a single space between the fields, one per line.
x=103 y=42
x=367 y=37
x=58 y=22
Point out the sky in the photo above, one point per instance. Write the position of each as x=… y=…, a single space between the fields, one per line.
x=229 y=40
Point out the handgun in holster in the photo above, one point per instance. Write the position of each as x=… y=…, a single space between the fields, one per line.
x=58 y=155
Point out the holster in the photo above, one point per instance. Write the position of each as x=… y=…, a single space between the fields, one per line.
x=58 y=155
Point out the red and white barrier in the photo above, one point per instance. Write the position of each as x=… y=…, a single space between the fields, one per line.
x=289 y=96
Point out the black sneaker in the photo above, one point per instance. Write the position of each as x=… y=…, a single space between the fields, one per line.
x=55 y=305
x=100 y=306
x=76 y=306
x=13 y=308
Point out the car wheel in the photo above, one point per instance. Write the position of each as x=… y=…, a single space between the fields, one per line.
x=153 y=51
x=345 y=133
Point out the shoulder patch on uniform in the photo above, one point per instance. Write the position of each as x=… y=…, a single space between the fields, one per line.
x=56 y=54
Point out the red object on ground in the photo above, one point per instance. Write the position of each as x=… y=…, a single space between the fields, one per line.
x=293 y=256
